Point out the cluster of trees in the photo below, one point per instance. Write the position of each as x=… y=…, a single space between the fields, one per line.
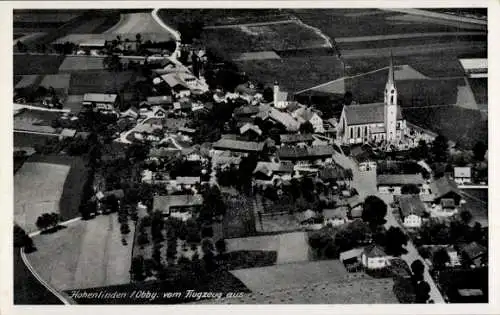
x=213 y=206
x=453 y=232
x=422 y=288
x=22 y=240
x=48 y=221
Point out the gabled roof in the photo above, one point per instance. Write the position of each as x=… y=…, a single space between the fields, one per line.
x=249 y=126
x=246 y=110
x=280 y=117
x=338 y=213
x=473 y=250
x=99 y=98
x=238 y=145
x=411 y=204
x=443 y=186
x=374 y=250
x=158 y=100
x=447 y=203
x=292 y=152
x=367 y=113
x=164 y=203
x=268 y=168
x=400 y=179
x=352 y=253
x=354 y=201
x=295 y=138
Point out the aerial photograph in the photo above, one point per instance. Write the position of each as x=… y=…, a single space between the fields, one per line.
x=250 y=156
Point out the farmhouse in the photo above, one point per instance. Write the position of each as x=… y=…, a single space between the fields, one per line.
x=444 y=190
x=179 y=204
x=163 y=100
x=238 y=146
x=100 y=102
x=305 y=154
x=351 y=258
x=392 y=183
x=462 y=175
x=374 y=122
x=411 y=209
x=280 y=118
x=355 y=204
x=304 y=114
x=374 y=257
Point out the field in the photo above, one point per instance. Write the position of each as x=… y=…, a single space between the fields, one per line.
x=38 y=188
x=35 y=120
x=214 y=17
x=85 y=254
x=480 y=89
x=27 y=289
x=364 y=22
x=239 y=220
x=36 y=64
x=98 y=81
x=282 y=36
x=22 y=139
x=295 y=73
x=81 y=63
x=143 y=22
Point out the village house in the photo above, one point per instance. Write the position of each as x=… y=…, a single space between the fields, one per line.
x=304 y=114
x=355 y=204
x=178 y=206
x=335 y=217
x=276 y=117
x=374 y=257
x=132 y=113
x=162 y=100
x=296 y=139
x=250 y=131
x=473 y=254
x=462 y=175
x=178 y=87
x=238 y=146
x=411 y=209
x=106 y=103
x=374 y=122
x=272 y=173
x=182 y=183
x=315 y=154
x=445 y=191
x=392 y=183
x=352 y=259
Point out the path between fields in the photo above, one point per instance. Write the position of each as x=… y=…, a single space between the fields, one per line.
x=356 y=39
x=214 y=27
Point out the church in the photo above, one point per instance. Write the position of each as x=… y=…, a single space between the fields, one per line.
x=374 y=122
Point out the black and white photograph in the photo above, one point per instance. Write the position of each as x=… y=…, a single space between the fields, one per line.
x=249 y=155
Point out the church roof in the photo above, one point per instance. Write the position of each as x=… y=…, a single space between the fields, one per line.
x=367 y=113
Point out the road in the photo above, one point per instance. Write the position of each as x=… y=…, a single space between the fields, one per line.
x=214 y=27
x=365 y=183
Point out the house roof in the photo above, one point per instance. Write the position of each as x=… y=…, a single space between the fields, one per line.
x=158 y=100
x=173 y=80
x=295 y=138
x=164 y=203
x=245 y=88
x=292 y=152
x=399 y=179
x=367 y=113
x=354 y=201
x=443 y=186
x=99 y=98
x=238 y=145
x=304 y=114
x=249 y=126
x=411 y=204
x=282 y=118
x=186 y=130
x=246 y=110
x=339 y=213
x=163 y=152
x=68 y=132
x=94 y=43
x=374 y=250
x=352 y=253
x=472 y=250
x=331 y=173
x=268 y=168
x=462 y=172
x=448 y=203
x=187 y=180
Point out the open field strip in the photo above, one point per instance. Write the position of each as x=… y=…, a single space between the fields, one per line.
x=85 y=254
x=442 y=16
x=401 y=36
x=38 y=188
x=248 y=24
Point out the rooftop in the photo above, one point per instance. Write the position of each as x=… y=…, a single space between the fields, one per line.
x=238 y=145
x=164 y=203
x=411 y=204
x=367 y=113
x=295 y=138
x=400 y=179
x=443 y=186
x=99 y=98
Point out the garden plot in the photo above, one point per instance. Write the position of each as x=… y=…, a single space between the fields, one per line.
x=38 y=188
x=36 y=64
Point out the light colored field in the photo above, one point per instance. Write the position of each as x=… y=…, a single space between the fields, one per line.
x=293 y=248
x=134 y=23
x=37 y=189
x=266 y=243
x=260 y=55
x=432 y=20
x=26 y=81
x=75 y=63
x=86 y=254
x=356 y=39
x=57 y=81
x=291 y=275
x=30 y=36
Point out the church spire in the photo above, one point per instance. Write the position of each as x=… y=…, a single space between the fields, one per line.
x=390 y=79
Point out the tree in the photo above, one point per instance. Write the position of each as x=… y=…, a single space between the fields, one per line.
x=422 y=290
x=440 y=149
x=47 y=221
x=479 y=150
x=268 y=94
x=347 y=98
x=306 y=127
x=440 y=258
x=466 y=216
x=395 y=240
x=353 y=235
x=410 y=189
x=374 y=211
x=124 y=228
x=137 y=269
x=417 y=268
x=221 y=246
x=21 y=239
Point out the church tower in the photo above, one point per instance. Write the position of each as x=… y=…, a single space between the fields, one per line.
x=390 y=106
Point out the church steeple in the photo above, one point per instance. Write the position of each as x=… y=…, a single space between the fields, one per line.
x=390 y=105
x=390 y=79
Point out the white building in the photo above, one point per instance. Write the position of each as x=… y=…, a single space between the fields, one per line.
x=374 y=257
x=462 y=175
